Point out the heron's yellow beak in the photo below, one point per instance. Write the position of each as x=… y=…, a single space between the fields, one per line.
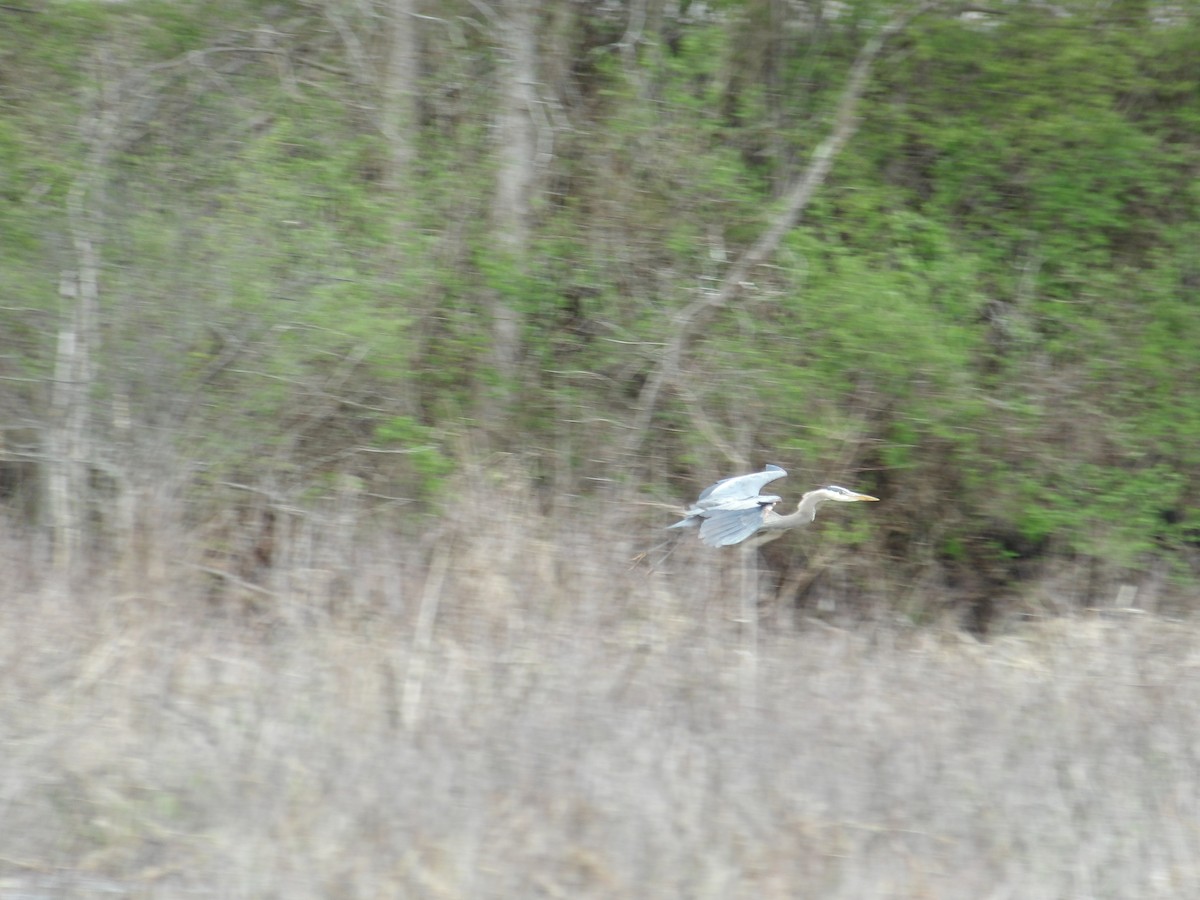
x=864 y=497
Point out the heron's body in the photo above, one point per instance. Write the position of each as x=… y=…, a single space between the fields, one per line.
x=733 y=510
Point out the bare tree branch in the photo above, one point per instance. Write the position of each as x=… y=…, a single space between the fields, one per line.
x=688 y=321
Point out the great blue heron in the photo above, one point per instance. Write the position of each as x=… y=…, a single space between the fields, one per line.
x=732 y=510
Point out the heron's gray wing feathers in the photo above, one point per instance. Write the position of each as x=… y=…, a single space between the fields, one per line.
x=740 y=487
x=730 y=506
x=699 y=512
x=722 y=527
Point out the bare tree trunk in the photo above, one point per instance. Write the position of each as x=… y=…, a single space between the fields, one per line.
x=66 y=436
x=69 y=433
x=399 y=112
x=687 y=323
x=748 y=565
x=69 y=438
x=516 y=177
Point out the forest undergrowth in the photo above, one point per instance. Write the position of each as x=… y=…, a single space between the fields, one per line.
x=524 y=708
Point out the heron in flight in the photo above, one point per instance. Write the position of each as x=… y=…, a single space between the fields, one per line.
x=733 y=510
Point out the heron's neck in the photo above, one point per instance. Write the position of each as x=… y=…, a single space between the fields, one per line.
x=805 y=513
x=807 y=510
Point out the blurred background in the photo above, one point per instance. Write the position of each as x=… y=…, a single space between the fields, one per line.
x=354 y=354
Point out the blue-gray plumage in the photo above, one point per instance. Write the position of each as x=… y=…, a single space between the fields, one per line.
x=733 y=510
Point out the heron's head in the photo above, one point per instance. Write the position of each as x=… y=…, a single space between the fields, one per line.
x=843 y=495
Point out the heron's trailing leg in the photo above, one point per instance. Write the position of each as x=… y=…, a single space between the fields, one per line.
x=645 y=555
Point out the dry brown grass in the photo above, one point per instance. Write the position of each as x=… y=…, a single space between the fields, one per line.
x=564 y=724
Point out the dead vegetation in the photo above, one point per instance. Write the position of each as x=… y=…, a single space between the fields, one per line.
x=519 y=713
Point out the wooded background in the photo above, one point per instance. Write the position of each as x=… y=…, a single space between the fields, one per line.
x=417 y=257
x=354 y=355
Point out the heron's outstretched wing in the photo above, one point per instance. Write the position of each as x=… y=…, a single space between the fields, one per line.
x=723 y=527
x=740 y=487
x=732 y=495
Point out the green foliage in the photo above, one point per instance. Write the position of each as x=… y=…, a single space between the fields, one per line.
x=422 y=448
x=992 y=301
